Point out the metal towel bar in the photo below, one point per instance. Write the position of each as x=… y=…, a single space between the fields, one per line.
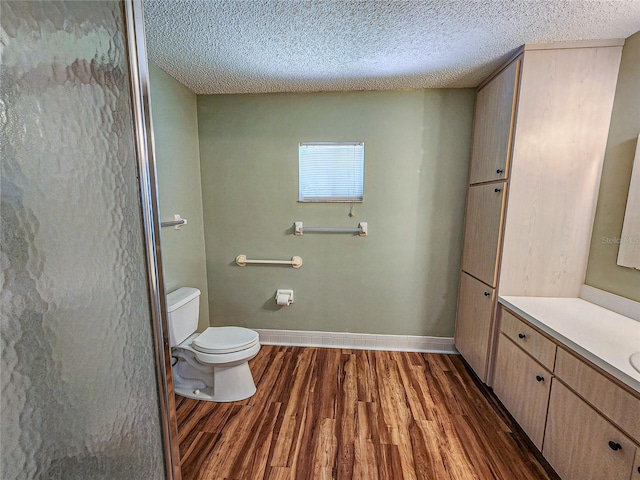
x=361 y=230
x=242 y=261
x=178 y=222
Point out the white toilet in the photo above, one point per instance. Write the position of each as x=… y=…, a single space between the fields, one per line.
x=212 y=365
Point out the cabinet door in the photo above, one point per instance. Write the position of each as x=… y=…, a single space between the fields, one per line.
x=580 y=444
x=493 y=126
x=473 y=323
x=523 y=385
x=482 y=231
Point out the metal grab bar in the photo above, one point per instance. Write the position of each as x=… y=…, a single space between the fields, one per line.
x=243 y=261
x=330 y=230
x=178 y=222
x=299 y=229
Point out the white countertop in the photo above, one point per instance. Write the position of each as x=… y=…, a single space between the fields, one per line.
x=601 y=336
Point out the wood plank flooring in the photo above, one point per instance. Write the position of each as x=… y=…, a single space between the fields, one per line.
x=355 y=414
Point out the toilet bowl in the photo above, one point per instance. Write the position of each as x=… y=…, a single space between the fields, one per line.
x=212 y=365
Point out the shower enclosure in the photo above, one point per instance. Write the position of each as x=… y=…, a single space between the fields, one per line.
x=85 y=393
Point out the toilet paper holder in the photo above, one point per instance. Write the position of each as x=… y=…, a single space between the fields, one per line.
x=284 y=297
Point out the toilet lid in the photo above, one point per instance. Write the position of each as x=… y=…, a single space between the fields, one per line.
x=225 y=340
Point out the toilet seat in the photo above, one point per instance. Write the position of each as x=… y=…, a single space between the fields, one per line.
x=221 y=340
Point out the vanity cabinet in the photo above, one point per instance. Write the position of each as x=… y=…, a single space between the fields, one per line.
x=616 y=403
x=523 y=385
x=585 y=422
x=536 y=156
x=580 y=444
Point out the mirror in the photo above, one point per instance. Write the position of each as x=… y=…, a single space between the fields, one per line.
x=629 y=250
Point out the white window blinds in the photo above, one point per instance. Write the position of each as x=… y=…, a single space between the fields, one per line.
x=331 y=172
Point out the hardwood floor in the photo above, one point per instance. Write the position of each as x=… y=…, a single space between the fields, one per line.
x=355 y=414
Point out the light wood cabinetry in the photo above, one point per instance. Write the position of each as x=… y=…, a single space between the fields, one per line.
x=585 y=422
x=616 y=403
x=529 y=339
x=495 y=104
x=545 y=118
x=564 y=112
x=523 y=385
x=482 y=231
x=473 y=327
x=582 y=445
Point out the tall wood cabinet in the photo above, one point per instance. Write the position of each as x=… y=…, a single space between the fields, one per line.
x=540 y=131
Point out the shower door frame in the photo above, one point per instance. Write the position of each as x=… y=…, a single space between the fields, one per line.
x=145 y=155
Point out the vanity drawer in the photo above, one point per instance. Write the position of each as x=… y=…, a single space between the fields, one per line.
x=529 y=339
x=616 y=403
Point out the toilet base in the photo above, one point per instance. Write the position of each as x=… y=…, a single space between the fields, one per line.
x=213 y=383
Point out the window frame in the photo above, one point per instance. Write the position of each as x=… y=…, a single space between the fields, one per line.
x=357 y=168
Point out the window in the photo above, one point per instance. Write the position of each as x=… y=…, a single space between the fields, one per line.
x=331 y=172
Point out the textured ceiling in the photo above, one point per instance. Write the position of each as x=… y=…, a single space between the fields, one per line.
x=241 y=46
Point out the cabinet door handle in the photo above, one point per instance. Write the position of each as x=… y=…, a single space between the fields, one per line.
x=487 y=294
x=499 y=170
x=497 y=190
x=614 y=446
x=539 y=378
x=522 y=335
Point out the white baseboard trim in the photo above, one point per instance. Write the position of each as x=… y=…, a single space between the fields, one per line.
x=610 y=301
x=357 y=341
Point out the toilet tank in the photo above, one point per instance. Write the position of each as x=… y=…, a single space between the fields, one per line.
x=183 y=307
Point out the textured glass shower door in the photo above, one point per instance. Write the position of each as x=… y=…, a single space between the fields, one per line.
x=80 y=397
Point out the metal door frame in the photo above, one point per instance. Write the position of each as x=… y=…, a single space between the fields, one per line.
x=145 y=154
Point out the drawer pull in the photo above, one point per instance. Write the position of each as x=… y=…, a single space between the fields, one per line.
x=522 y=335
x=497 y=190
x=487 y=294
x=614 y=446
x=499 y=171
x=540 y=378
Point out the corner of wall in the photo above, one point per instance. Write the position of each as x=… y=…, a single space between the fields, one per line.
x=175 y=126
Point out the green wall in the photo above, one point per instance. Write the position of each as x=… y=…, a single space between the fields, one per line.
x=175 y=128
x=602 y=270
x=403 y=277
